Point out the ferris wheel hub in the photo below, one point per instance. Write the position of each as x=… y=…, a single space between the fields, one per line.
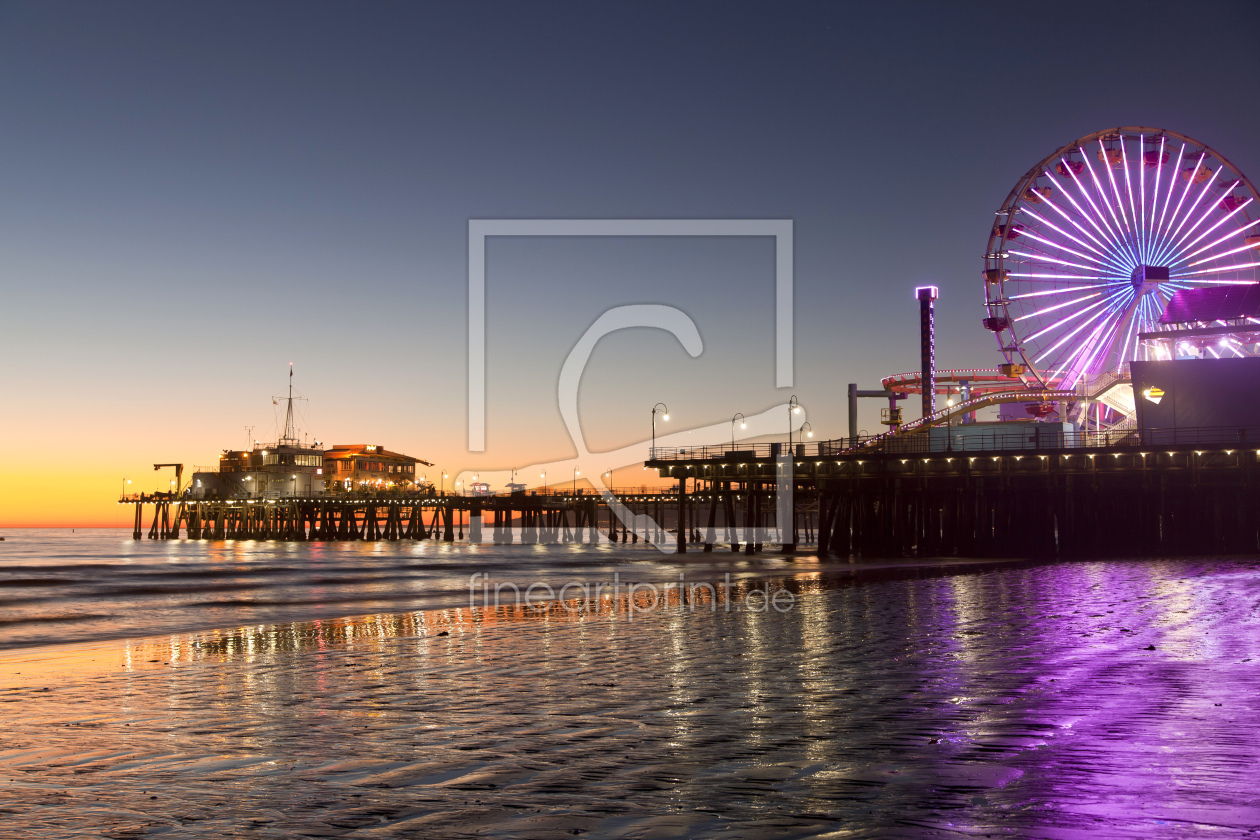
x=1146 y=278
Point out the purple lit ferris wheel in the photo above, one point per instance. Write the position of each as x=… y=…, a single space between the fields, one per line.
x=1094 y=240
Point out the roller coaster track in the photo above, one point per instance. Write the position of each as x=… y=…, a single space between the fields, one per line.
x=947 y=415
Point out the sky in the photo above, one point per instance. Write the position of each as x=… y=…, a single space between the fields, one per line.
x=193 y=196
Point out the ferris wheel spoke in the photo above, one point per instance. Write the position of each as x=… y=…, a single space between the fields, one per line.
x=1027 y=275
x=1219 y=270
x=1113 y=236
x=1142 y=190
x=1200 y=275
x=1042 y=257
x=1213 y=244
x=1106 y=201
x=1124 y=346
x=1060 y=230
x=1128 y=185
x=1208 y=232
x=1073 y=222
x=1102 y=263
x=1094 y=346
x=1077 y=314
x=1172 y=183
x=1064 y=339
x=1222 y=256
x=1040 y=251
x=1107 y=315
x=1189 y=212
x=1106 y=234
x=1173 y=249
x=1061 y=291
x=1115 y=191
x=1037 y=312
x=1185 y=193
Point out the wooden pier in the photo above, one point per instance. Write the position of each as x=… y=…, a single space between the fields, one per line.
x=1111 y=499
x=735 y=518
x=1073 y=501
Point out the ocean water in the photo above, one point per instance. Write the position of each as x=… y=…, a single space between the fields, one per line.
x=1050 y=700
x=60 y=586
x=285 y=690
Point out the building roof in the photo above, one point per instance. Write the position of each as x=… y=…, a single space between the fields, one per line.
x=1217 y=303
x=352 y=450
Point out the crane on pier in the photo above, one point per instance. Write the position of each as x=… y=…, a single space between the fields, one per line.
x=179 y=475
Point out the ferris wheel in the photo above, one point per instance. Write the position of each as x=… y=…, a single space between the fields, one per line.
x=1094 y=240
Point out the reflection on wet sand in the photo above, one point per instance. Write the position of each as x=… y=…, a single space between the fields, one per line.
x=1026 y=699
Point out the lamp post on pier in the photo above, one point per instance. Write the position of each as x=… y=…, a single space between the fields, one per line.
x=664 y=410
x=576 y=473
x=743 y=424
x=794 y=407
x=544 y=478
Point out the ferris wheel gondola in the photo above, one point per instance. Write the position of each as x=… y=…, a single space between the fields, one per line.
x=1094 y=240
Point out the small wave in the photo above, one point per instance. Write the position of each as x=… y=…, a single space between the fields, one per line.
x=295 y=602
x=50 y=619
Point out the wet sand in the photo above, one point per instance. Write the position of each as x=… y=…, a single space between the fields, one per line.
x=1070 y=700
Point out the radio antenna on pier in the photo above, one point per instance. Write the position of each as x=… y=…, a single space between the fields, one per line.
x=290 y=433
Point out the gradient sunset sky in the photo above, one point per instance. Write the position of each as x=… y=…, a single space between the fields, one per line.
x=192 y=196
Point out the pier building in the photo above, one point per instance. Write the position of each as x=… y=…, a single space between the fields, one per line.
x=365 y=466
x=284 y=468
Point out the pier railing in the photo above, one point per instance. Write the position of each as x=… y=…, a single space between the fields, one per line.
x=532 y=497
x=1037 y=437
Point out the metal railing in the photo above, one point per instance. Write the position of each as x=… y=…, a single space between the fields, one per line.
x=739 y=453
x=945 y=439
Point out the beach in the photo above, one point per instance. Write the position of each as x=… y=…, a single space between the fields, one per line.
x=1014 y=699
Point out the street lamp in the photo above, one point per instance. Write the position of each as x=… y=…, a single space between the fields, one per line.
x=664 y=410
x=442 y=483
x=576 y=473
x=808 y=429
x=742 y=424
x=794 y=407
x=126 y=481
x=544 y=478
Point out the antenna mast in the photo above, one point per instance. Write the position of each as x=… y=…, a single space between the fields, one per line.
x=290 y=434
